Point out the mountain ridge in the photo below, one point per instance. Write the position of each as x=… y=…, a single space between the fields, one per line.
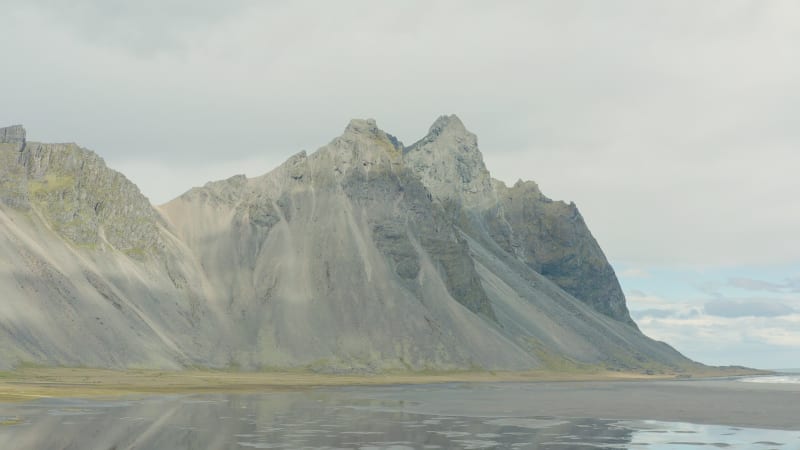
x=365 y=255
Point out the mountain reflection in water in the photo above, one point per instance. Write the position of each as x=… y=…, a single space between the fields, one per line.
x=351 y=418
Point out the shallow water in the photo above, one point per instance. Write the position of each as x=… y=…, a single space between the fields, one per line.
x=779 y=379
x=397 y=418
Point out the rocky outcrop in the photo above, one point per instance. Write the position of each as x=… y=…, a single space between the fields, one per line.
x=362 y=256
x=13 y=189
x=449 y=163
x=81 y=199
x=88 y=203
x=550 y=237
x=13 y=135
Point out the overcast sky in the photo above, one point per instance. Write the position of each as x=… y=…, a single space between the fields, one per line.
x=674 y=125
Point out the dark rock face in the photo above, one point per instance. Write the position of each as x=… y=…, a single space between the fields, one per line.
x=13 y=189
x=553 y=239
x=86 y=202
x=550 y=237
x=428 y=224
x=393 y=241
x=362 y=256
x=14 y=135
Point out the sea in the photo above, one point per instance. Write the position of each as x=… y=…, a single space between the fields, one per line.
x=360 y=418
x=781 y=376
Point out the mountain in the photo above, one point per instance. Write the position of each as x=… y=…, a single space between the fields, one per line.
x=366 y=255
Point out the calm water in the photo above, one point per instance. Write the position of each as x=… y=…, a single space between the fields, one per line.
x=345 y=418
x=780 y=379
x=782 y=376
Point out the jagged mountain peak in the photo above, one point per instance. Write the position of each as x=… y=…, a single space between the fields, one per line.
x=363 y=255
x=529 y=187
x=450 y=123
x=445 y=128
x=368 y=130
x=450 y=164
x=363 y=147
x=362 y=126
x=82 y=199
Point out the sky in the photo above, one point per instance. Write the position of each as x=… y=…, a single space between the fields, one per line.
x=674 y=125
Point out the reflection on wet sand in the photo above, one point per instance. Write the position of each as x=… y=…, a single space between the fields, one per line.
x=365 y=418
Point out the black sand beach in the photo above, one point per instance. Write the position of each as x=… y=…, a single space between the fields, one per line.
x=510 y=415
x=467 y=415
x=713 y=401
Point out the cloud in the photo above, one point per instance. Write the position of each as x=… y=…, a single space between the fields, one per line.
x=142 y=28
x=181 y=179
x=790 y=285
x=766 y=342
x=652 y=313
x=635 y=272
x=754 y=285
x=646 y=307
x=647 y=117
x=709 y=287
x=793 y=284
x=755 y=332
x=655 y=313
x=734 y=308
x=637 y=299
x=779 y=336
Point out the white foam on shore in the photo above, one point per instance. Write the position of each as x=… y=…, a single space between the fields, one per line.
x=780 y=379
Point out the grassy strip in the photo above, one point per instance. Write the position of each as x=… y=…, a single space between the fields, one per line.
x=37 y=382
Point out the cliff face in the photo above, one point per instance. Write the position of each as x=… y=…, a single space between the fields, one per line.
x=553 y=240
x=13 y=136
x=365 y=255
x=86 y=266
x=13 y=189
x=550 y=237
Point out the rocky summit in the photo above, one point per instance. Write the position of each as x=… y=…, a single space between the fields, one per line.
x=364 y=256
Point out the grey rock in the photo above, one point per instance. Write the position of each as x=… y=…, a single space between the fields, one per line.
x=88 y=203
x=14 y=135
x=363 y=256
x=450 y=164
x=392 y=239
x=551 y=237
x=553 y=240
x=13 y=190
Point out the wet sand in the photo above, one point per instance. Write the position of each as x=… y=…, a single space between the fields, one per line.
x=38 y=382
x=712 y=402
x=519 y=416
x=609 y=395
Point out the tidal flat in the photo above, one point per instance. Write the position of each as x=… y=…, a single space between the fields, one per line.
x=575 y=414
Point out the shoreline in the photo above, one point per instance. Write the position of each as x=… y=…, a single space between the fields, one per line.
x=26 y=384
